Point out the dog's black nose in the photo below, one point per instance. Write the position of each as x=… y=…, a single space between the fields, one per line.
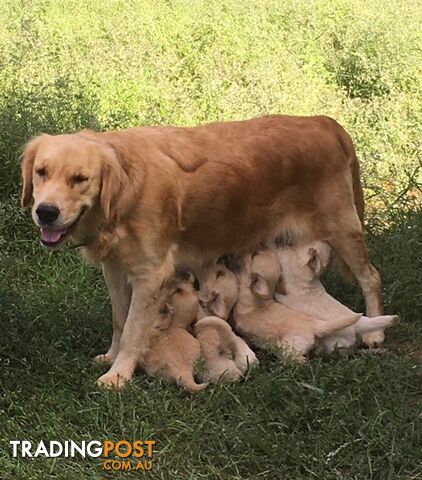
x=47 y=213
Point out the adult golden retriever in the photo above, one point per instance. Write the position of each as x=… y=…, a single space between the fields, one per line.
x=143 y=200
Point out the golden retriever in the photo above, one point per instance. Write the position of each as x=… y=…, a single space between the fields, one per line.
x=143 y=200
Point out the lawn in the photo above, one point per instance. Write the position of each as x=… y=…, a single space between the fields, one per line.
x=67 y=65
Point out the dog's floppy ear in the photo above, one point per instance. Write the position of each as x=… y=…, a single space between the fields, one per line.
x=314 y=261
x=114 y=180
x=260 y=286
x=183 y=273
x=217 y=306
x=28 y=158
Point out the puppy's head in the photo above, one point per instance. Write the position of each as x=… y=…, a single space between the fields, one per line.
x=219 y=290
x=258 y=273
x=305 y=262
x=265 y=274
x=69 y=177
x=177 y=302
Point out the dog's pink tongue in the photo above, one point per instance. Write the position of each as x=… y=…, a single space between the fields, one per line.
x=51 y=236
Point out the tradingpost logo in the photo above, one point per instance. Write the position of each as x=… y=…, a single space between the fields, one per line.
x=116 y=456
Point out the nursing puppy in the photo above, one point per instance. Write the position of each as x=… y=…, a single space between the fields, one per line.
x=302 y=267
x=142 y=200
x=220 y=351
x=218 y=289
x=226 y=355
x=286 y=332
x=174 y=352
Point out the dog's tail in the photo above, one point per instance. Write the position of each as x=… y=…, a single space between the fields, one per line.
x=324 y=328
x=372 y=324
x=187 y=381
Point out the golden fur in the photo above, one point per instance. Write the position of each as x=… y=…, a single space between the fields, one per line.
x=173 y=351
x=144 y=199
x=226 y=355
x=286 y=332
x=302 y=267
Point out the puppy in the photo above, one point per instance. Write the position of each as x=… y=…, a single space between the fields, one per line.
x=220 y=351
x=227 y=356
x=302 y=267
x=288 y=333
x=174 y=351
x=218 y=290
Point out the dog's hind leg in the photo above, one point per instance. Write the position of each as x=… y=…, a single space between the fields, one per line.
x=348 y=242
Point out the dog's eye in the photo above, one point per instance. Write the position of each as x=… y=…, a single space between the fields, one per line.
x=79 y=178
x=41 y=172
x=177 y=290
x=220 y=273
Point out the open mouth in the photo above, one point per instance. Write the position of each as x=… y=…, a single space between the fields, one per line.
x=53 y=237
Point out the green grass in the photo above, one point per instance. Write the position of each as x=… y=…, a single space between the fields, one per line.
x=66 y=65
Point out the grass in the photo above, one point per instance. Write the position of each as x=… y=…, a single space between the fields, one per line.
x=67 y=65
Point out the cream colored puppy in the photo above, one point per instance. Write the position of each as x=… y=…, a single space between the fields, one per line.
x=226 y=355
x=218 y=290
x=174 y=351
x=220 y=351
x=302 y=267
x=286 y=332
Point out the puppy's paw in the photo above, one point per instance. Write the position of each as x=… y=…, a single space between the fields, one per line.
x=112 y=380
x=105 y=358
x=373 y=339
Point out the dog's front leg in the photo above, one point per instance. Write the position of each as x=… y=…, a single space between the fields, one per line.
x=139 y=326
x=120 y=294
x=133 y=342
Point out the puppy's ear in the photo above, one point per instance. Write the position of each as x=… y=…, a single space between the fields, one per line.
x=260 y=286
x=114 y=181
x=28 y=157
x=217 y=307
x=314 y=261
x=186 y=275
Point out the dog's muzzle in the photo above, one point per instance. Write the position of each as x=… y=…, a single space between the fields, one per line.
x=52 y=236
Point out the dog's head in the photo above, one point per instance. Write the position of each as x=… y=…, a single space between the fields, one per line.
x=177 y=302
x=304 y=263
x=68 y=177
x=219 y=290
x=265 y=274
x=259 y=273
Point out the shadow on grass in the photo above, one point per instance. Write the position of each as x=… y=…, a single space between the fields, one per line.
x=333 y=418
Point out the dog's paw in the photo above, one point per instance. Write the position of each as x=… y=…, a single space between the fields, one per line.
x=373 y=339
x=104 y=358
x=112 y=380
